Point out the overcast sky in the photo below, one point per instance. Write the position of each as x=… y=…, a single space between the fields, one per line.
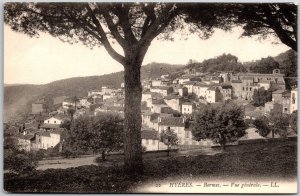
x=45 y=59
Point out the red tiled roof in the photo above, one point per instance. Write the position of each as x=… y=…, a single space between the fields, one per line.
x=158 y=101
x=189 y=83
x=168 y=97
x=149 y=134
x=50 y=126
x=236 y=81
x=25 y=137
x=172 y=121
x=187 y=103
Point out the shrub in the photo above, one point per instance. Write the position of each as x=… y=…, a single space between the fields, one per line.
x=21 y=161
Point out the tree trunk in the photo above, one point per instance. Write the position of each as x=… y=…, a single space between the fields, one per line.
x=223 y=146
x=103 y=155
x=133 y=162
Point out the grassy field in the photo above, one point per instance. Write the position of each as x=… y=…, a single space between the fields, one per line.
x=273 y=160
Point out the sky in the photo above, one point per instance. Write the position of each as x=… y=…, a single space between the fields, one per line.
x=46 y=59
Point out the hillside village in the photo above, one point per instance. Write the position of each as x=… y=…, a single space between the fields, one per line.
x=166 y=104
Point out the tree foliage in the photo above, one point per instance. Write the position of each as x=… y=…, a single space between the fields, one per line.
x=225 y=62
x=262 y=125
x=169 y=138
x=263 y=66
x=293 y=121
x=133 y=26
x=264 y=19
x=279 y=123
x=100 y=134
x=261 y=96
x=221 y=124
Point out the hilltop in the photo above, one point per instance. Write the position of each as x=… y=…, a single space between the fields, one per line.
x=18 y=98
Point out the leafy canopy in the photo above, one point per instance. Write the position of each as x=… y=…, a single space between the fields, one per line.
x=220 y=123
x=131 y=25
x=103 y=132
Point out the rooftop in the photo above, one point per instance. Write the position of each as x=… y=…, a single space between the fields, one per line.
x=278 y=91
x=172 y=121
x=149 y=134
x=50 y=126
x=169 y=97
x=236 y=81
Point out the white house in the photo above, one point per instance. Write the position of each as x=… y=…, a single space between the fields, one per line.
x=177 y=124
x=189 y=85
x=107 y=96
x=45 y=140
x=187 y=108
x=95 y=92
x=53 y=120
x=24 y=141
x=163 y=90
x=68 y=103
x=174 y=102
x=156 y=83
x=200 y=89
x=150 y=140
x=84 y=103
x=213 y=94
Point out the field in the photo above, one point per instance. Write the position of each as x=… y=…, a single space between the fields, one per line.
x=262 y=161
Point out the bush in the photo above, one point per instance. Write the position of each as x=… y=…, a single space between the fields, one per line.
x=21 y=161
x=69 y=154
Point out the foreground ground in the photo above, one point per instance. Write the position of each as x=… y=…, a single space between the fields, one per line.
x=266 y=161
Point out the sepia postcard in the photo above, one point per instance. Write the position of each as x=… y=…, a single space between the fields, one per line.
x=150 y=97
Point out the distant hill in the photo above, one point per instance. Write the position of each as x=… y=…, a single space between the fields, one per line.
x=224 y=62
x=18 y=98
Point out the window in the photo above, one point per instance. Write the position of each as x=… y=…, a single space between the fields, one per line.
x=153 y=142
x=55 y=121
x=243 y=88
x=147 y=141
x=250 y=89
x=48 y=121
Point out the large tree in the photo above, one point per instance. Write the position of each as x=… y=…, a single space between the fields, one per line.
x=130 y=25
x=220 y=123
x=264 y=19
x=100 y=134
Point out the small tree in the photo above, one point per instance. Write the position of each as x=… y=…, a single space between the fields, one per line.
x=71 y=112
x=101 y=133
x=169 y=138
x=261 y=96
x=66 y=124
x=262 y=125
x=293 y=121
x=221 y=124
x=279 y=123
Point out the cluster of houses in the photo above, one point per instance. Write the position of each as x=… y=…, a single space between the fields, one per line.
x=166 y=104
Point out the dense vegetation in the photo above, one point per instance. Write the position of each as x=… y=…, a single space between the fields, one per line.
x=273 y=160
x=225 y=62
x=221 y=123
x=99 y=134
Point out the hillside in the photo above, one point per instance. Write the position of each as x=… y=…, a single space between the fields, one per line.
x=18 y=98
x=224 y=62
